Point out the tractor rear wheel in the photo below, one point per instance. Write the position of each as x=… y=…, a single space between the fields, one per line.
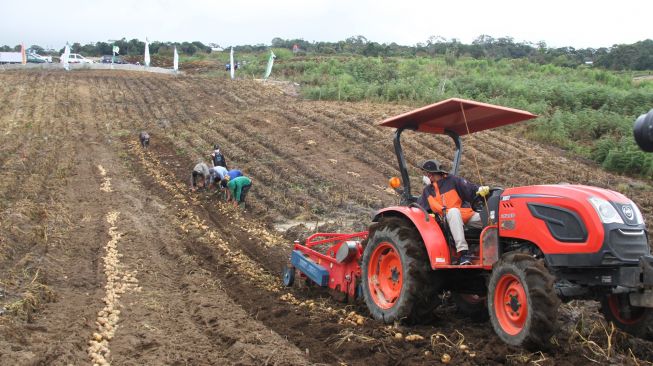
x=634 y=320
x=522 y=302
x=397 y=281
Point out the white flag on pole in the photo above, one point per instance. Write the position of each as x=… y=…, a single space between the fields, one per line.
x=116 y=50
x=232 y=67
x=66 y=53
x=268 y=69
x=147 y=52
x=175 y=60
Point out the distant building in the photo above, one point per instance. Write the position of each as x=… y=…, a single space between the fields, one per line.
x=295 y=48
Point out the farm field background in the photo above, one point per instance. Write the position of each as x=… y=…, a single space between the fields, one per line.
x=106 y=255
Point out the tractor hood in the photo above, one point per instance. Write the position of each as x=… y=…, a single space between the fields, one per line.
x=451 y=115
x=580 y=192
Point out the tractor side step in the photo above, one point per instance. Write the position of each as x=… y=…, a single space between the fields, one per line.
x=312 y=270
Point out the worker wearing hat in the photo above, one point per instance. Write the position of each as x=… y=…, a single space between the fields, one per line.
x=452 y=195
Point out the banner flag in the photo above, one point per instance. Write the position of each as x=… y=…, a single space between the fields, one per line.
x=175 y=61
x=147 y=52
x=232 y=66
x=23 y=56
x=66 y=53
x=268 y=69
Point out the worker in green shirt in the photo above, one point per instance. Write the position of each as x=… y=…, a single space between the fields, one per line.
x=238 y=188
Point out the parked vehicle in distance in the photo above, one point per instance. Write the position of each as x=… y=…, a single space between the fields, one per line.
x=106 y=59
x=11 y=57
x=37 y=59
x=32 y=56
x=17 y=57
x=76 y=58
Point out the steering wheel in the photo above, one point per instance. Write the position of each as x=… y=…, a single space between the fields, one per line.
x=478 y=204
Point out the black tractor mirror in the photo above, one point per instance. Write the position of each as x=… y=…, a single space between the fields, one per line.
x=643 y=131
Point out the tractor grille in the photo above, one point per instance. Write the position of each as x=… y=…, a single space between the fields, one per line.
x=628 y=244
x=563 y=224
x=610 y=260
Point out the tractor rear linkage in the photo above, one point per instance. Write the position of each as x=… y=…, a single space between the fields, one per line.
x=337 y=267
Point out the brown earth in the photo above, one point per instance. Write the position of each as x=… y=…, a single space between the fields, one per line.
x=105 y=255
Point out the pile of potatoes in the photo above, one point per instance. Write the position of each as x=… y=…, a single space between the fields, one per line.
x=118 y=282
x=106 y=181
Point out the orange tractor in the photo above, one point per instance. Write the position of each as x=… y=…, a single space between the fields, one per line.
x=539 y=245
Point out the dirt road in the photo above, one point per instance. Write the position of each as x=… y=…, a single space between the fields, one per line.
x=106 y=257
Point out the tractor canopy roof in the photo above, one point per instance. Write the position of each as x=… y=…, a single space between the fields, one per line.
x=451 y=114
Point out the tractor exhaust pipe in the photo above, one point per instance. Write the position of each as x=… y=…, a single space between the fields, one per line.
x=643 y=131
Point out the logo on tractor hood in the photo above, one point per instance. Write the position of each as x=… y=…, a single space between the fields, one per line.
x=628 y=211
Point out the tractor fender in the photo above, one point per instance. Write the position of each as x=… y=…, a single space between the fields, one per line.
x=428 y=228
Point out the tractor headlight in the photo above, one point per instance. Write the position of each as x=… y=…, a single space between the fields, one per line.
x=607 y=213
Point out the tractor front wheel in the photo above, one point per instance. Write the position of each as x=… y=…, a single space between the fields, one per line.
x=634 y=320
x=397 y=280
x=522 y=303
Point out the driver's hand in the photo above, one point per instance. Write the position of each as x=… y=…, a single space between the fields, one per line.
x=483 y=191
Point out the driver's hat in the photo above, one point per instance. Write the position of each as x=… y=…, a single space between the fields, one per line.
x=433 y=166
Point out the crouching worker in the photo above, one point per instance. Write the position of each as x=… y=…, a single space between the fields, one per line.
x=237 y=190
x=199 y=177
x=145 y=139
x=217 y=174
x=231 y=174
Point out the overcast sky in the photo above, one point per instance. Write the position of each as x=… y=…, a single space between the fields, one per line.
x=579 y=24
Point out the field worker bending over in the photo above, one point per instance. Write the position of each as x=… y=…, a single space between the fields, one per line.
x=217 y=158
x=238 y=188
x=216 y=174
x=199 y=177
x=453 y=195
x=233 y=173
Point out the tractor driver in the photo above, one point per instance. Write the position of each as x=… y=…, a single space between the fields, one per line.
x=452 y=195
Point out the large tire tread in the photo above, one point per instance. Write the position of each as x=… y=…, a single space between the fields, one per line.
x=543 y=302
x=642 y=329
x=419 y=297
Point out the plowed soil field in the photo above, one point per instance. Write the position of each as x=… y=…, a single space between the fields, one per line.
x=107 y=257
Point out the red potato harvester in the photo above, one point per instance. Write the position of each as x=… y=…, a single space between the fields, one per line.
x=539 y=245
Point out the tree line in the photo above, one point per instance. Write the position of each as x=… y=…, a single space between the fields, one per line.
x=636 y=56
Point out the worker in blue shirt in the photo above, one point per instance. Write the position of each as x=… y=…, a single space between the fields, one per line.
x=231 y=174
